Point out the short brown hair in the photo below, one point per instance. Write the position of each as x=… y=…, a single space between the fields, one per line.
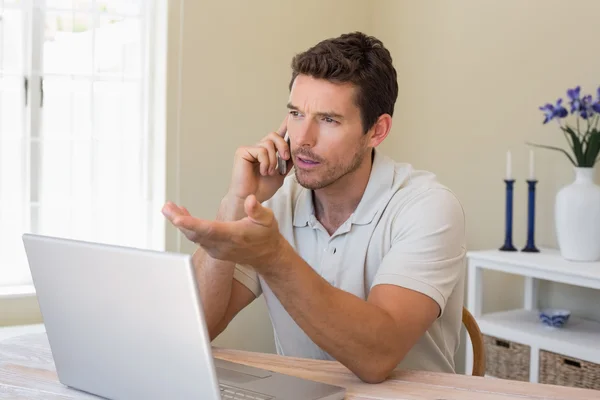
x=358 y=59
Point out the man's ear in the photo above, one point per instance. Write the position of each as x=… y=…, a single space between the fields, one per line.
x=380 y=130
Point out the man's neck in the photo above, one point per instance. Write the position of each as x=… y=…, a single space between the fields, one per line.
x=335 y=203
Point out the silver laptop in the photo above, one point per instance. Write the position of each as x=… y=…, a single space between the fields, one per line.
x=126 y=323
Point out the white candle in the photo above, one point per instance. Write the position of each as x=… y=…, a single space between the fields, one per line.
x=531 y=165
x=508 y=165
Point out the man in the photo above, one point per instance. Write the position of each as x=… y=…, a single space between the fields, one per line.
x=360 y=258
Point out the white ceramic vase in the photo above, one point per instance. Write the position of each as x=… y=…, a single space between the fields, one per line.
x=577 y=215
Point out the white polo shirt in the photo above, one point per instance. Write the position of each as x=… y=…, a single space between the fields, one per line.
x=408 y=230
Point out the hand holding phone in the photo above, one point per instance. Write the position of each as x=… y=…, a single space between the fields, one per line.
x=281 y=163
x=259 y=169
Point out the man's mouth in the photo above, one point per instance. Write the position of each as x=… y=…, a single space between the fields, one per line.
x=306 y=162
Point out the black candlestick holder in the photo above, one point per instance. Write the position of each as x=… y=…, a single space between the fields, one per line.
x=508 y=241
x=530 y=246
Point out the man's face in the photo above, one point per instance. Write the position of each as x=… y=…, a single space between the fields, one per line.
x=325 y=130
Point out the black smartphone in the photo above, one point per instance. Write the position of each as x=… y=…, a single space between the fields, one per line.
x=281 y=163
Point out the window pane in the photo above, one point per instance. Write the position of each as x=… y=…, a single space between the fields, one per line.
x=11 y=107
x=11 y=41
x=108 y=109
x=81 y=116
x=54 y=219
x=68 y=43
x=67 y=108
x=13 y=212
x=129 y=7
x=81 y=173
x=57 y=110
x=83 y=5
x=12 y=166
x=108 y=179
x=14 y=268
x=132 y=110
x=108 y=186
x=118 y=47
x=54 y=171
x=132 y=169
x=84 y=173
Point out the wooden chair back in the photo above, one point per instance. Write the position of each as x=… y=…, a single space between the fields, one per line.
x=477 y=341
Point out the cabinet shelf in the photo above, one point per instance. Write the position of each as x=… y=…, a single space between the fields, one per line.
x=579 y=338
x=547 y=265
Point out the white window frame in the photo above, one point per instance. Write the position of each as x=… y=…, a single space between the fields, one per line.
x=155 y=87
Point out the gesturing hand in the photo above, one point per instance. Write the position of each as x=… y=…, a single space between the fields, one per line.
x=254 y=240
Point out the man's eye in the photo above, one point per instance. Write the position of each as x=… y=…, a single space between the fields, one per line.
x=329 y=120
x=294 y=113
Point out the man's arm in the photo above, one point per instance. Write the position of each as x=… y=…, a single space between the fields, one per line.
x=240 y=297
x=221 y=295
x=413 y=282
x=369 y=337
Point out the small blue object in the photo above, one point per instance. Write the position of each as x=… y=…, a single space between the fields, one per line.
x=508 y=217
x=554 y=318
x=530 y=246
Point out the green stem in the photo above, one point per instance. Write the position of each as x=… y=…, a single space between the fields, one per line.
x=588 y=124
x=569 y=142
x=554 y=148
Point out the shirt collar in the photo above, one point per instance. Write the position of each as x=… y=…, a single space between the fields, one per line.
x=377 y=190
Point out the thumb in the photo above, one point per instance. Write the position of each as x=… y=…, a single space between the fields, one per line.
x=256 y=212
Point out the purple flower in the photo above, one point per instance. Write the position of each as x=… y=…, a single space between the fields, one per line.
x=596 y=105
x=575 y=100
x=551 y=112
x=586 y=109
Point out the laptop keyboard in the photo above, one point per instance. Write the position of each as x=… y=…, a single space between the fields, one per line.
x=230 y=392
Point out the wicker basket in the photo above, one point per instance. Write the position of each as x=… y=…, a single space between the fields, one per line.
x=557 y=369
x=506 y=359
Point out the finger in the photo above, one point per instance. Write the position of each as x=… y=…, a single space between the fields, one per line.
x=190 y=235
x=262 y=156
x=272 y=154
x=256 y=212
x=280 y=144
x=170 y=210
x=184 y=211
x=255 y=154
x=281 y=131
x=203 y=230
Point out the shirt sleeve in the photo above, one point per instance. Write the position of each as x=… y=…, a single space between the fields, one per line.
x=428 y=248
x=248 y=277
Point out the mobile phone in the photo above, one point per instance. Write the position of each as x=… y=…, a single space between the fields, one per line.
x=281 y=163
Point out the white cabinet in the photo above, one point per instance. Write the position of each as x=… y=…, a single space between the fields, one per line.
x=579 y=338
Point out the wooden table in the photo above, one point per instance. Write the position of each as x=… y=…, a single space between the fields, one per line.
x=27 y=372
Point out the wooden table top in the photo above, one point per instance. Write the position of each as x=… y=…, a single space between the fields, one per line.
x=27 y=372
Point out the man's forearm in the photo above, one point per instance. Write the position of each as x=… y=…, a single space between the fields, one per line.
x=215 y=277
x=360 y=335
